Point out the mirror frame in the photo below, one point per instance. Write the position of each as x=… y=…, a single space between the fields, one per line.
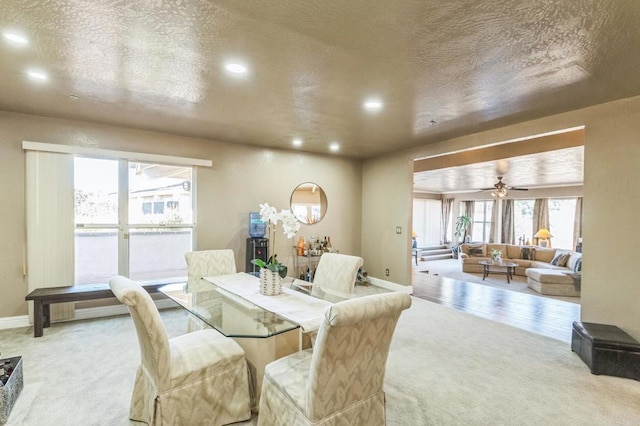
x=323 y=203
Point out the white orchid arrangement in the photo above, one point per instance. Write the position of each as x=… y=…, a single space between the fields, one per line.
x=290 y=227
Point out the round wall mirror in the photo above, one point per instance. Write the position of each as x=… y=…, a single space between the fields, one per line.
x=308 y=203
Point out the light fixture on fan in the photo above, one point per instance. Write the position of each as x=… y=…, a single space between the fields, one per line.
x=500 y=192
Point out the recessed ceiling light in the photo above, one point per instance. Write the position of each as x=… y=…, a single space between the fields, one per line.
x=37 y=75
x=15 y=38
x=297 y=142
x=334 y=147
x=74 y=97
x=373 y=104
x=235 y=68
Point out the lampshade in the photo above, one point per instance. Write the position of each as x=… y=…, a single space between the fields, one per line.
x=543 y=233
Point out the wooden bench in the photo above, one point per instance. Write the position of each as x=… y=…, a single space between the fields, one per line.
x=44 y=297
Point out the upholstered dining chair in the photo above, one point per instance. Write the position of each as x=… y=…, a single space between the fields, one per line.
x=196 y=378
x=340 y=380
x=335 y=276
x=209 y=263
x=206 y=263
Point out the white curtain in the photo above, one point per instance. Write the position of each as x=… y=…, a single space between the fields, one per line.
x=447 y=205
x=540 y=216
x=577 y=223
x=494 y=228
x=50 y=225
x=508 y=227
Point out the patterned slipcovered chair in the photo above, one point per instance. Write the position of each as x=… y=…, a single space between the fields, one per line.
x=206 y=263
x=335 y=277
x=209 y=263
x=197 y=378
x=339 y=381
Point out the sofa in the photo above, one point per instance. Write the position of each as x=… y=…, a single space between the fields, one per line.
x=546 y=269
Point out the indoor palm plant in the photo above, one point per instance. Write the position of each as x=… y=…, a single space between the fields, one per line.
x=272 y=271
x=462 y=225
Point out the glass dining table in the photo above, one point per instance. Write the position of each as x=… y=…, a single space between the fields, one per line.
x=225 y=312
x=263 y=335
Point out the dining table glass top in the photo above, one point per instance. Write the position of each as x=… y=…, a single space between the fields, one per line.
x=227 y=313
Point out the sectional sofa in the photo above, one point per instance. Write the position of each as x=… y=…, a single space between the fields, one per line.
x=549 y=271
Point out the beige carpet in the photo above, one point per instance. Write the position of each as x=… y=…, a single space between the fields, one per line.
x=451 y=268
x=445 y=368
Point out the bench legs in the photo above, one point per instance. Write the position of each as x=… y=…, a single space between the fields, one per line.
x=41 y=317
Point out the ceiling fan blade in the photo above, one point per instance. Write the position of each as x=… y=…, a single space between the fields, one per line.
x=517 y=189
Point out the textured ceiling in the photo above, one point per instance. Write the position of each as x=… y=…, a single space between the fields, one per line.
x=465 y=65
x=562 y=167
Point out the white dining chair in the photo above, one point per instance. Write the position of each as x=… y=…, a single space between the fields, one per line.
x=335 y=276
x=209 y=263
x=206 y=263
x=196 y=378
x=339 y=381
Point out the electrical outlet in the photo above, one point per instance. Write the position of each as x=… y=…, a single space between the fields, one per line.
x=398 y=229
x=386 y=272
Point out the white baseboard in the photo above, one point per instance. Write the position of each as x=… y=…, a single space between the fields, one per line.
x=109 y=311
x=14 y=322
x=82 y=314
x=391 y=285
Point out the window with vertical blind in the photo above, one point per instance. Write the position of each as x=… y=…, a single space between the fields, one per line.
x=427 y=221
x=94 y=213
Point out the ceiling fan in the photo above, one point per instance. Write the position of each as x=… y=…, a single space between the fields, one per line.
x=501 y=189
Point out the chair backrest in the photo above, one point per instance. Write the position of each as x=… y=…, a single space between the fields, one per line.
x=209 y=263
x=350 y=354
x=336 y=276
x=152 y=335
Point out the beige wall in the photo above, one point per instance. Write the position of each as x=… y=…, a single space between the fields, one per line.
x=610 y=289
x=241 y=178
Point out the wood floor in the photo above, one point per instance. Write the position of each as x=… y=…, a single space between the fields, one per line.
x=553 y=318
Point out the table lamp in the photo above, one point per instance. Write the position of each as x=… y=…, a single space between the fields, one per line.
x=544 y=237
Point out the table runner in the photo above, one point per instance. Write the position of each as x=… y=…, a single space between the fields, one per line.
x=301 y=309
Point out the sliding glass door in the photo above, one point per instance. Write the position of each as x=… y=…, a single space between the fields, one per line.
x=131 y=218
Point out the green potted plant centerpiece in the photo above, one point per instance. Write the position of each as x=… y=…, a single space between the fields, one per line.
x=462 y=225
x=272 y=272
x=496 y=256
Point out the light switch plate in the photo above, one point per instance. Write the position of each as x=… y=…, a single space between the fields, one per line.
x=398 y=229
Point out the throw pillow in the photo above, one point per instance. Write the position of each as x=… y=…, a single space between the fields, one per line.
x=532 y=253
x=578 y=266
x=564 y=259
x=560 y=259
x=476 y=252
x=524 y=253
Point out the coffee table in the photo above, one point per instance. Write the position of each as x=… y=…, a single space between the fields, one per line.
x=504 y=268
